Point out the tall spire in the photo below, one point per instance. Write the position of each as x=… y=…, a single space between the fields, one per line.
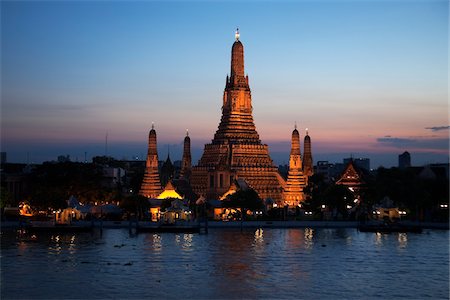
x=237 y=123
x=236 y=150
x=295 y=160
x=151 y=185
x=237 y=58
x=293 y=192
x=307 y=157
x=186 y=161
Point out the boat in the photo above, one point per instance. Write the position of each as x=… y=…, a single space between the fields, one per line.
x=388 y=227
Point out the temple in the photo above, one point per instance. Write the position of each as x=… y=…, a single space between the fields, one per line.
x=296 y=181
x=151 y=185
x=186 y=161
x=308 y=169
x=236 y=150
x=235 y=158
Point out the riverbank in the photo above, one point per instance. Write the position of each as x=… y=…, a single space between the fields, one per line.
x=244 y=224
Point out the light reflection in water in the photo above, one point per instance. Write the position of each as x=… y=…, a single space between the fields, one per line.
x=187 y=241
x=259 y=236
x=309 y=235
x=157 y=242
x=402 y=240
x=72 y=245
x=230 y=264
x=378 y=239
x=56 y=247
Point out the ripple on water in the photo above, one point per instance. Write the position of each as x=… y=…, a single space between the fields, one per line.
x=262 y=263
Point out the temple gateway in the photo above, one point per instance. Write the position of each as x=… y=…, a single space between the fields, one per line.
x=236 y=152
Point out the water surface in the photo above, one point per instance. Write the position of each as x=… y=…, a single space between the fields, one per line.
x=226 y=263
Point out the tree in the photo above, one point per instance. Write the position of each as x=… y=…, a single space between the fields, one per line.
x=245 y=200
x=337 y=197
x=5 y=198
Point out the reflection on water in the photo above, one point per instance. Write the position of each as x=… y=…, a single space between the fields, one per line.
x=402 y=240
x=309 y=234
x=254 y=263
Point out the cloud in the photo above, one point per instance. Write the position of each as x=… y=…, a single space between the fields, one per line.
x=437 y=144
x=438 y=128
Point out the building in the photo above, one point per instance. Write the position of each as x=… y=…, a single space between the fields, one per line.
x=362 y=163
x=404 y=160
x=308 y=169
x=186 y=161
x=235 y=154
x=329 y=171
x=352 y=178
x=236 y=150
x=151 y=184
x=296 y=180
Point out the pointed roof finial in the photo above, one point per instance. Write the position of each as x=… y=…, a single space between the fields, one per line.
x=295 y=126
x=306 y=131
x=236 y=35
x=187 y=132
x=153 y=125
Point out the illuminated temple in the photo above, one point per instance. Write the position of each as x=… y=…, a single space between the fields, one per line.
x=151 y=184
x=236 y=152
x=296 y=180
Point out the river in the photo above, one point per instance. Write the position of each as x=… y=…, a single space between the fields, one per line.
x=297 y=263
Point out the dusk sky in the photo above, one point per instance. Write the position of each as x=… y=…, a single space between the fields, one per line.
x=367 y=78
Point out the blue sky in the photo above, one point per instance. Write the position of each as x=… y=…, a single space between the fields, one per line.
x=368 y=78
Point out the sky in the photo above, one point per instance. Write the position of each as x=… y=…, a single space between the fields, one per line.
x=368 y=78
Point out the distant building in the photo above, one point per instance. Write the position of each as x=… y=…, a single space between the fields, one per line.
x=404 y=160
x=63 y=158
x=329 y=170
x=112 y=177
x=362 y=163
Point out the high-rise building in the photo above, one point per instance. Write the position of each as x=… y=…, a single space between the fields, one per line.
x=404 y=160
x=296 y=181
x=151 y=185
x=236 y=150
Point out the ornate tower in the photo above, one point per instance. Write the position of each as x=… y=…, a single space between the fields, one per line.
x=293 y=192
x=186 y=160
x=167 y=171
x=236 y=150
x=307 y=157
x=151 y=186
